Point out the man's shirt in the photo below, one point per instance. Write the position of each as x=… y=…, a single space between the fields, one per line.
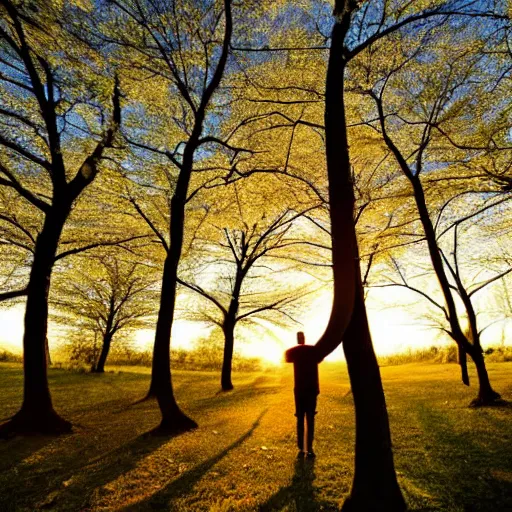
x=305 y=361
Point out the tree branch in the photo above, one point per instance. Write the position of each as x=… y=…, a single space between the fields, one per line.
x=78 y=250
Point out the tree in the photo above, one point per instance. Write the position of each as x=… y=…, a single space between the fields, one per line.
x=244 y=291
x=178 y=44
x=440 y=106
x=104 y=295
x=40 y=91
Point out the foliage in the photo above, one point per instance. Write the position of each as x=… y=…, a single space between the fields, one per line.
x=499 y=354
x=247 y=272
x=104 y=294
x=264 y=128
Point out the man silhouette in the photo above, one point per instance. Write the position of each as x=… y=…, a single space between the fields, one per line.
x=305 y=361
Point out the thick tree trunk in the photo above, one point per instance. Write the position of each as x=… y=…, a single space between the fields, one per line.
x=105 y=348
x=227 y=361
x=174 y=420
x=37 y=414
x=375 y=486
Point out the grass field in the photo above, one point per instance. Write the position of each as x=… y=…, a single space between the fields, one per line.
x=448 y=456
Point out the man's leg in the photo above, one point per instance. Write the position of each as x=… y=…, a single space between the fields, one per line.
x=310 y=419
x=300 y=413
x=300 y=430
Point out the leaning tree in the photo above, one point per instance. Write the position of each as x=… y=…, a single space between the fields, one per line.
x=356 y=26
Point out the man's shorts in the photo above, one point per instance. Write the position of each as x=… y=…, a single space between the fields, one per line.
x=305 y=403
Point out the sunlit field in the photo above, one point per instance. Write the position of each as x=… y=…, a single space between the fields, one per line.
x=242 y=456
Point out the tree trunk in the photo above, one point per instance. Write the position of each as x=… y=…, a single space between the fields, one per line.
x=228 y=326
x=229 y=338
x=486 y=395
x=463 y=363
x=375 y=486
x=105 y=348
x=174 y=420
x=37 y=414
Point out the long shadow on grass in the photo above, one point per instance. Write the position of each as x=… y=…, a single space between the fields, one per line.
x=185 y=483
x=112 y=465
x=262 y=385
x=473 y=477
x=73 y=488
x=15 y=458
x=301 y=493
x=13 y=451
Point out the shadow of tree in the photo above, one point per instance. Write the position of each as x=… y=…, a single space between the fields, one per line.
x=260 y=386
x=15 y=455
x=301 y=493
x=72 y=487
x=20 y=448
x=185 y=483
x=84 y=480
x=476 y=480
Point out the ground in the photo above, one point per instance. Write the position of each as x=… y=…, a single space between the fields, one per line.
x=448 y=456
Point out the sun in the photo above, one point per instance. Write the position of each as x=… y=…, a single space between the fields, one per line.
x=272 y=353
x=268 y=350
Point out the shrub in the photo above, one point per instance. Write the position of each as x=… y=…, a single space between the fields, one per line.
x=432 y=354
x=448 y=354
x=498 y=354
x=10 y=357
x=203 y=356
x=443 y=355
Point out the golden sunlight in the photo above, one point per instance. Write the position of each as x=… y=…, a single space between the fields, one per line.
x=11 y=334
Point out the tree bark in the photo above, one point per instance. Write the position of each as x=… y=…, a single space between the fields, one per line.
x=229 y=340
x=37 y=414
x=486 y=395
x=228 y=326
x=105 y=348
x=174 y=420
x=375 y=486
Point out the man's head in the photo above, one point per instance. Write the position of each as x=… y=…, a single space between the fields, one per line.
x=301 y=339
